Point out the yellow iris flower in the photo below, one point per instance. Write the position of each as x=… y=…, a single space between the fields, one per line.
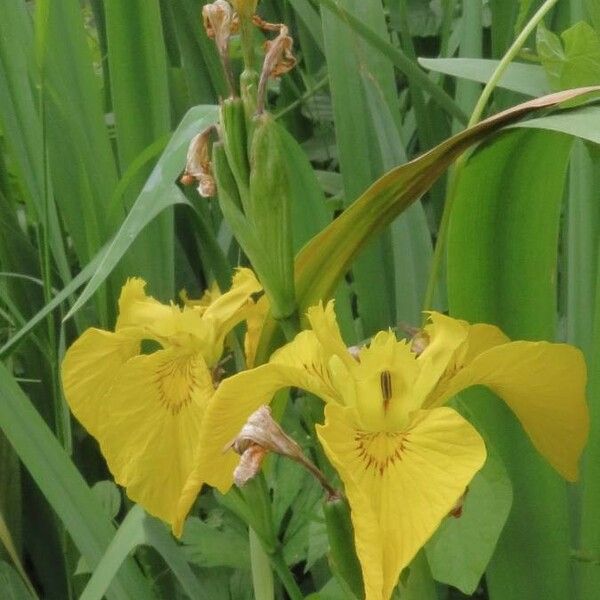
x=404 y=458
x=145 y=409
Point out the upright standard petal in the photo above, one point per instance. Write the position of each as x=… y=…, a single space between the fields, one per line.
x=136 y=308
x=233 y=306
x=324 y=325
x=89 y=370
x=544 y=385
x=445 y=338
x=400 y=485
x=150 y=423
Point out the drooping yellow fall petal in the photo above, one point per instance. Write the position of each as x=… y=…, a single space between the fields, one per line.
x=89 y=369
x=150 y=422
x=544 y=385
x=482 y=337
x=400 y=485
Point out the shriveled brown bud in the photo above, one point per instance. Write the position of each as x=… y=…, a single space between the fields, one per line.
x=249 y=465
x=262 y=434
x=198 y=167
x=262 y=430
x=419 y=342
x=279 y=58
x=220 y=22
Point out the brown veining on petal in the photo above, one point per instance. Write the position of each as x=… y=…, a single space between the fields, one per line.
x=176 y=383
x=380 y=450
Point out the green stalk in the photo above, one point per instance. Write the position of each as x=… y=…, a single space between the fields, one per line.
x=511 y=53
x=262 y=575
x=247 y=42
x=285 y=576
x=252 y=504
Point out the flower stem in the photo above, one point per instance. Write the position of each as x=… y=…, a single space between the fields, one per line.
x=285 y=576
x=454 y=177
x=262 y=575
x=247 y=42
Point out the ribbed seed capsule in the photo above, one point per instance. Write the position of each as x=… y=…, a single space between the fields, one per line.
x=270 y=209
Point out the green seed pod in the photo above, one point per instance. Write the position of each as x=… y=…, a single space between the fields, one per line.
x=342 y=555
x=240 y=224
x=233 y=128
x=269 y=210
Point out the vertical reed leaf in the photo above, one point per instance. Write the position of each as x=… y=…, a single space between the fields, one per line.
x=141 y=109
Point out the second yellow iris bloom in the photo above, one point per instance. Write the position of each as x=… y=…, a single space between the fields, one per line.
x=404 y=458
x=142 y=390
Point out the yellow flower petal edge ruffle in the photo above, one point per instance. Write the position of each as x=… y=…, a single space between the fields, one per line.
x=146 y=410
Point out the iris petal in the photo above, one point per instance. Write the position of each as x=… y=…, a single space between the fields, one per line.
x=89 y=369
x=400 y=485
x=150 y=425
x=544 y=385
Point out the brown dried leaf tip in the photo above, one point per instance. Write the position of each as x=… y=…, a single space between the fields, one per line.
x=198 y=167
x=279 y=58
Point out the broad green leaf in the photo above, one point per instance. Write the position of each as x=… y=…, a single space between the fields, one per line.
x=140 y=529
x=519 y=77
x=502 y=263
x=410 y=239
x=573 y=59
x=12 y=585
x=459 y=551
x=215 y=544
x=323 y=261
x=159 y=192
x=63 y=486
